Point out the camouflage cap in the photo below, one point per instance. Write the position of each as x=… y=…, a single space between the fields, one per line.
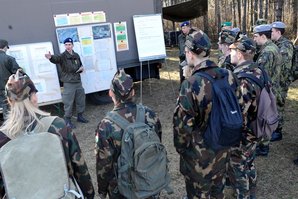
x=260 y=22
x=122 y=84
x=197 y=42
x=227 y=37
x=19 y=86
x=244 y=44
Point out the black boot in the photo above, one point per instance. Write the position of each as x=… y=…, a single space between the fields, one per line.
x=296 y=162
x=262 y=150
x=276 y=136
x=69 y=123
x=81 y=118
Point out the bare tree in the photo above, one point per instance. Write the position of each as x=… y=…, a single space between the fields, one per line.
x=244 y=16
x=234 y=13
x=206 y=23
x=255 y=11
x=266 y=9
x=294 y=15
x=239 y=12
x=261 y=9
x=251 y=13
x=278 y=10
x=217 y=14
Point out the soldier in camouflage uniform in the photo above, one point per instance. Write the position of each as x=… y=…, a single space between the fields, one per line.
x=257 y=23
x=270 y=59
x=286 y=50
x=241 y=170
x=21 y=94
x=186 y=30
x=108 y=135
x=226 y=38
x=204 y=169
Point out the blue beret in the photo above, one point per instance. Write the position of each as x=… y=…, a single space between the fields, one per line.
x=262 y=28
x=278 y=24
x=235 y=30
x=68 y=40
x=185 y=23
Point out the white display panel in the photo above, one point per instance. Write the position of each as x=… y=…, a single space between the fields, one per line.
x=31 y=57
x=95 y=45
x=149 y=37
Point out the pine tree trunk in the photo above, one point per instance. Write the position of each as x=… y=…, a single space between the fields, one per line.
x=261 y=9
x=206 y=23
x=217 y=14
x=251 y=14
x=244 y=16
x=255 y=11
x=294 y=16
x=279 y=9
x=239 y=12
x=234 y=13
x=266 y=9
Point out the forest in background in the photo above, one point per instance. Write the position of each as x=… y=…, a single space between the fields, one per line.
x=243 y=14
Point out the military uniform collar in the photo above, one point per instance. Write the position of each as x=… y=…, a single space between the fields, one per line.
x=122 y=105
x=204 y=64
x=244 y=65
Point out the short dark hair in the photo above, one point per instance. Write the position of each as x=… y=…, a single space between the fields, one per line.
x=266 y=33
x=282 y=30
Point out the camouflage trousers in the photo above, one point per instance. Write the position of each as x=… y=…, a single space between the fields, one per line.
x=204 y=173
x=281 y=108
x=241 y=170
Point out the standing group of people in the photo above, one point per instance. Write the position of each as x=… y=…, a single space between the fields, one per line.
x=204 y=168
x=270 y=54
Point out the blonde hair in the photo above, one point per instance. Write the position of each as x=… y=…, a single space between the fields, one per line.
x=21 y=117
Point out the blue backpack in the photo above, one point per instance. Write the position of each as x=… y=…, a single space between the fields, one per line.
x=224 y=128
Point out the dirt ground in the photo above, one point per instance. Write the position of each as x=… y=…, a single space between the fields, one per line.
x=277 y=175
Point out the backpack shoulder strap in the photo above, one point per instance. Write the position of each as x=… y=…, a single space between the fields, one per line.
x=140 y=117
x=118 y=119
x=206 y=75
x=251 y=77
x=46 y=123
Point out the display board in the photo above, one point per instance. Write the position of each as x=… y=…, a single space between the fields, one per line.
x=149 y=37
x=95 y=45
x=31 y=57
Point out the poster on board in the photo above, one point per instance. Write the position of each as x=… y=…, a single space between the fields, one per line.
x=149 y=37
x=43 y=73
x=95 y=45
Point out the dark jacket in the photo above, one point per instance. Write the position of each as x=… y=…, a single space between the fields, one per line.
x=8 y=66
x=69 y=63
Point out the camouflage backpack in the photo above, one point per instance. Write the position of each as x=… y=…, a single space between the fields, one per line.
x=142 y=165
x=33 y=166
x=267 y=115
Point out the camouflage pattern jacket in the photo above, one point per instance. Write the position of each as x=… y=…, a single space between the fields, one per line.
x=270 y=59
x=250 y=93
x=75 y=162
x=286 y=50
x=181 y=44
x=191 y=115
x=225 y=62
x=108 y=137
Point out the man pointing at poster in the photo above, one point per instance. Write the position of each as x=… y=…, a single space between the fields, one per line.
x=71 y=67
